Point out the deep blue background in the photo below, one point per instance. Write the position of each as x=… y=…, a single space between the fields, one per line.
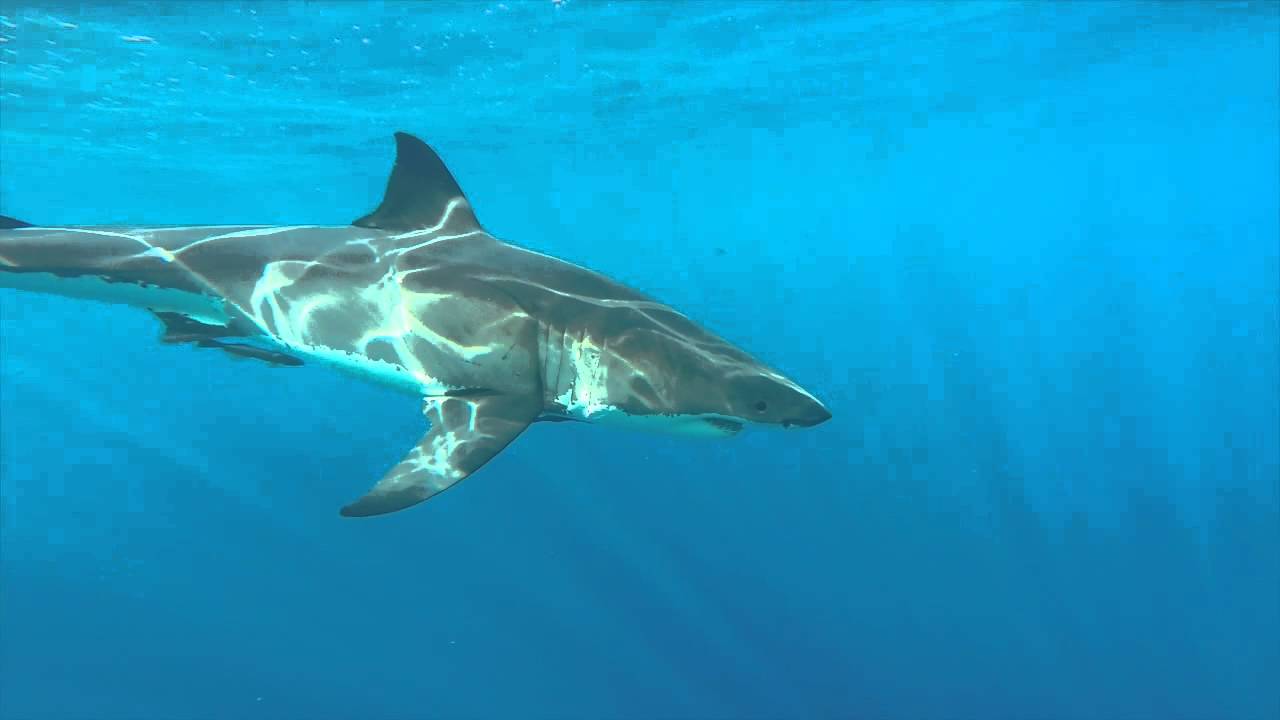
x=1027 y=253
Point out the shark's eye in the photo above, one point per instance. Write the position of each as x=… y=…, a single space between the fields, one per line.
x=761 y=406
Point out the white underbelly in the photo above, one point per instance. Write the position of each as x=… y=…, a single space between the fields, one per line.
x=686 y=425
x=211 y=311
x=376 y=371
x=203 y=308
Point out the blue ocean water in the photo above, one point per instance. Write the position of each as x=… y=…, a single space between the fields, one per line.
x=1028 y=253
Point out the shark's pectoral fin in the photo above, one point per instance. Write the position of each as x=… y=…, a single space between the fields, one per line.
x=465 y=433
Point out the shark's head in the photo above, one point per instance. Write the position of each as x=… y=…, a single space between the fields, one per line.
x=759 y=395
x=686 y=381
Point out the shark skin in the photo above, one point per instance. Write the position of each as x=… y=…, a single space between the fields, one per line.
x=417 y=295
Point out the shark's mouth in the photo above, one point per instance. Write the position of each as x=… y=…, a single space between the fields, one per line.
x=724 y=425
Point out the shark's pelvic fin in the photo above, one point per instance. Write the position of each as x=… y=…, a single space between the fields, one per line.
x=466 y=432
x=421 y=193
x=179 y=329
x=8 y=223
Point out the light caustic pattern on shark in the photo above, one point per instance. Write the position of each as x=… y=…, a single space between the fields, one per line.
x=419 y=296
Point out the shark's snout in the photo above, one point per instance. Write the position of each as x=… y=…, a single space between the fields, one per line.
x=813 y=414
x=769 y=398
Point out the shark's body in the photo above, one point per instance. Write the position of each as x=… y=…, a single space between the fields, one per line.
x=417 y=295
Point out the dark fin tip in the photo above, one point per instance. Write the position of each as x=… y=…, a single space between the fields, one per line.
x=8 y=223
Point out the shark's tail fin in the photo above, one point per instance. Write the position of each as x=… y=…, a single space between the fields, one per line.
x=8 y=223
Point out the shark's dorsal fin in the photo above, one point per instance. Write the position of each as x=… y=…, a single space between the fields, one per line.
x=421 y=193
x=8 y=223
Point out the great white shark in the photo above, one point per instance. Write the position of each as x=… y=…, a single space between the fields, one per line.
x=418 y=295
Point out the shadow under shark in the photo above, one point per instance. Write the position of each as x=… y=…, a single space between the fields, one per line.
x=419 y=296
